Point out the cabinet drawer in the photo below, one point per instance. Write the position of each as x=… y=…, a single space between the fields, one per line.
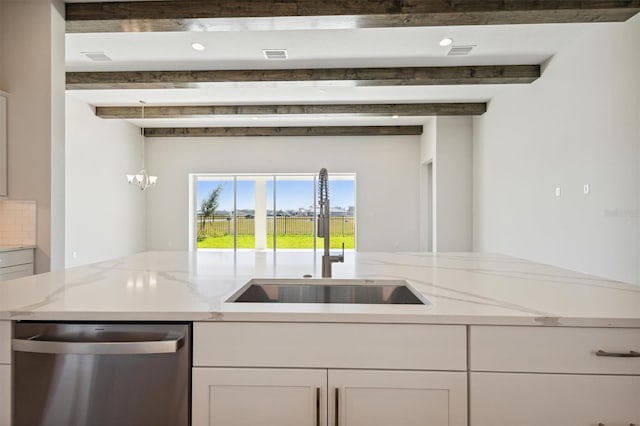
x=5 y=342
x=17 y=271
x=322 y=345
x=508 y=399
x=553 y=350
x=16 y=257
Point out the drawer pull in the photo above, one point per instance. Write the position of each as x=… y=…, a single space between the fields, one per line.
x=317 y=406
x=602 y=424
x=630 y=354
x=337 y=408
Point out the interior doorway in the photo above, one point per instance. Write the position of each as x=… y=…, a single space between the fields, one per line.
x=427 y=217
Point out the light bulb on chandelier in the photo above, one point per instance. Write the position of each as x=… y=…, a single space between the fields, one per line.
x=141 y=179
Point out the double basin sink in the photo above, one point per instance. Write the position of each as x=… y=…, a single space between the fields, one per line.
x=350 y=291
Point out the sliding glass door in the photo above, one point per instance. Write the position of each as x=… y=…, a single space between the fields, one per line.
x=275 y=212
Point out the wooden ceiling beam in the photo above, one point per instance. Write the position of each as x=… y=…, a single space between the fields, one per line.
x=406 y=76
x=283 y=131
x=200 y=111
x=233 y=15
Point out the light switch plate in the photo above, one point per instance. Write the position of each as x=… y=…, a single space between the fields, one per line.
x=558 y=191
x=586 y=189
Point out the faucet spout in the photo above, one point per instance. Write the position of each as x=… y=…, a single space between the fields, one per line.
x=324 y=224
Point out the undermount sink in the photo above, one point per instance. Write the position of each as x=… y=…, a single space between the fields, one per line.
x=329 y=291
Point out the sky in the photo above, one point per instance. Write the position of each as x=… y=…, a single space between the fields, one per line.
x=291 y=195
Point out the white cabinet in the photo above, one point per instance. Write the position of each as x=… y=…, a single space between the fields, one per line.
x=5 y=342
x=554 y=349
x=321 y=374
x=3 y=144
x=318 y=397
x=398 y=398
x=5 y=373
x=5 y=395
x=339 y=345
x=540 y=376
x=16 y=264
x=508 y=399
x=259 y=397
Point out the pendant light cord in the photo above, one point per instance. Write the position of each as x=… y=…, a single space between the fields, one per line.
x=142 y=133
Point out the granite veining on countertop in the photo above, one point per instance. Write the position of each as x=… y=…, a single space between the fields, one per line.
x=464 y=288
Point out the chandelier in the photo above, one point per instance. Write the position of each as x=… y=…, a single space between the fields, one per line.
x=141 y=179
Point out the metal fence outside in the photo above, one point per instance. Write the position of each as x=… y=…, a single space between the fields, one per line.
x=293 y=225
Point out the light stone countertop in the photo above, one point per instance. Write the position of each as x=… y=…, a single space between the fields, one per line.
x=464 y=288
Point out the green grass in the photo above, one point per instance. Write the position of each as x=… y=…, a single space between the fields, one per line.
x=226 y=241
x=288 y=241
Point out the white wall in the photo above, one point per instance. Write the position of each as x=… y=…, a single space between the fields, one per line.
x=32 y=36
x=387 y=181
x=105 y=215
x=578 y=124
x=447 y=144
x=57 y=135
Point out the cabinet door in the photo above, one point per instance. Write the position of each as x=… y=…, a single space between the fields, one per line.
x=5 y=395
x=508 y=399
x=398 y=398
x=259 y=397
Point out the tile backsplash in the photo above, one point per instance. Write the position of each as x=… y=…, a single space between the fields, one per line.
x=17 y=222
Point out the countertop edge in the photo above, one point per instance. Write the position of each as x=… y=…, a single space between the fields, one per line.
x=322 y=317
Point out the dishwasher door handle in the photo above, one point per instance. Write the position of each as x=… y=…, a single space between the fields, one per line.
x=172 y=344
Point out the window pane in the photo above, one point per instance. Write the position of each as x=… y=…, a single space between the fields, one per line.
x=294 y=212
x=270 y=212
x=214 y=226
x=246 y=212
x=342 y=199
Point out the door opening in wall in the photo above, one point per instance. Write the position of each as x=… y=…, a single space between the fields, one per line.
x=431 y=211
x=427 y=211
x=268 y=211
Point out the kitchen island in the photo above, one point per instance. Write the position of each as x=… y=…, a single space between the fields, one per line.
x=463 y=288
x=502 y=339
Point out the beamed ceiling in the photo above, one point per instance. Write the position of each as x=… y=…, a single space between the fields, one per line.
x=353 y=66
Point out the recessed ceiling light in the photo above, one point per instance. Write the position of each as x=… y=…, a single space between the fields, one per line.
x=197 y=46
x=395 y=116
x=254 y=118
x=446 y=41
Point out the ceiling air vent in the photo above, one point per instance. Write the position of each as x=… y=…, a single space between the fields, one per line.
x=97 y=56
x=275 y=53
x=460 y=50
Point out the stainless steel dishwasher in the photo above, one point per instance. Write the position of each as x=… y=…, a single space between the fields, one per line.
x=112 y=374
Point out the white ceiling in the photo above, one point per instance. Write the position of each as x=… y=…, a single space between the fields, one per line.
x=385 y=47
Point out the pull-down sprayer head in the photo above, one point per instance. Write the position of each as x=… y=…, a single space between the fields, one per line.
x=324 y=218
x=323 y=203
